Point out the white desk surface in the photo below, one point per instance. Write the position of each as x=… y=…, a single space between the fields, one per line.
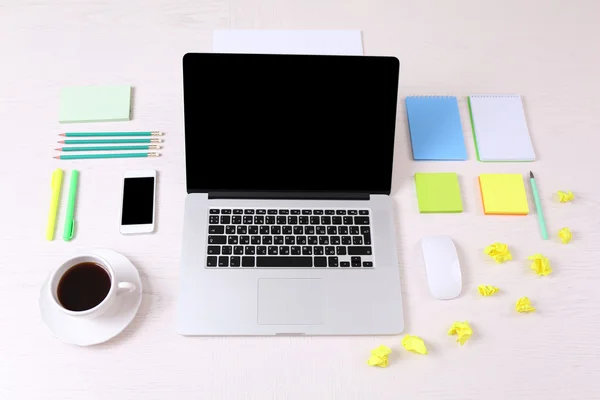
x=545 y=51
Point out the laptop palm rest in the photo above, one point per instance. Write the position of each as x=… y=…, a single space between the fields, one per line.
x=290 y=302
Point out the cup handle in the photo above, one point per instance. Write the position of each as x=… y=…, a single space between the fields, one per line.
x=125 y=287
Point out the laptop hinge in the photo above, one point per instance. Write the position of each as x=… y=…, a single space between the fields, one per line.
x=289 y=195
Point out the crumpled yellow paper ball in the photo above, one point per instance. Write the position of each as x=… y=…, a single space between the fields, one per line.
x=565 y=235
x=540 y=264
x=462 y=330
x=487 y=290
x=379 y=357
x=565 y=197
x=499 y=252
x=414 y=344
x=524 y=305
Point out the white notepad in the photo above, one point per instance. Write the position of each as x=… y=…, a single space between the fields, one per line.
x=500 y=129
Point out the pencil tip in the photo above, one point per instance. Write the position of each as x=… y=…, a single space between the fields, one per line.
x=60 y=141
x=62 y=134
x=56 y=157
x=530 y=174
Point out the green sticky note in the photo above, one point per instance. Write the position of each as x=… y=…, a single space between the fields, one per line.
x=438 y=193
x=95 y=103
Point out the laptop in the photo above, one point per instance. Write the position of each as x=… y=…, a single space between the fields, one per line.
x=288 y=221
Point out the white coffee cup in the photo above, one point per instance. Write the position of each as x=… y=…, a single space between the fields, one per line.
x=116 y=288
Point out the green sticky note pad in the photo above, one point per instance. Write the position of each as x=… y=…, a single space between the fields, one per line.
x=95 y=104
x=438 y=193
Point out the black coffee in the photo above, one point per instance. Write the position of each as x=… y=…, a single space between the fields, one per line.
x=83 y=286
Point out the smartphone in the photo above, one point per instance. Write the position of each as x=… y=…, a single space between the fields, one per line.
x=137 y=211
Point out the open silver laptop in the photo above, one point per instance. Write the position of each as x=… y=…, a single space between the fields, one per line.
x=288 y=226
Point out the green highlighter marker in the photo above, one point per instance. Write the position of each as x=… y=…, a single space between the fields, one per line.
x=70 y=219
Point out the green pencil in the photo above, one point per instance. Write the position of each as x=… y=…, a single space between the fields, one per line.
x=110 y=148
x=108 y=141
x=113 y=155
x=538 y=206
x=92 y=134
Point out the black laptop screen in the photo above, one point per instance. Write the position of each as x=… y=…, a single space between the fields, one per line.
x=257 y=123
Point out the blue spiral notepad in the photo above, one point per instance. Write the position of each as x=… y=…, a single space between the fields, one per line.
x=435 y=128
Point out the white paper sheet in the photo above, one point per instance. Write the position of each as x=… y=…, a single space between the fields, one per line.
x=319 y=42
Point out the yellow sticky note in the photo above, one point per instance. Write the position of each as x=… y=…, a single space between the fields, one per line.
x=565 y=197
x=503 y=194
x=487 y=290
x=565 y=235
x=414 y=344
x=499 y=252
x=462 y=330
x=524 y=305
x=379 y=357
x=540 y=264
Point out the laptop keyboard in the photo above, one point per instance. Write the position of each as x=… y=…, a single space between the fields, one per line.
x=296 y=238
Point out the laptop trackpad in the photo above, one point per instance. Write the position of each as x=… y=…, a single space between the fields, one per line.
x=290 y=302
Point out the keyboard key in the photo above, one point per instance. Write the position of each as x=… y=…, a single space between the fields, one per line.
x=284 y=250
x=357 y=240
x=267 y=239
x=248 y=211
x=303 y=220
x=265 y=230
x=295 y=212
x=348 y=220
x=340 y=250
x=333 y=261
x=365 y=229
x=253 y=230
x=334 y=240
x=309 y=230
x=367 y=263
x=259 y=219
x=273 y=250
x=247 y=219
x=287 y=230
x=211 y=261
x=336 y=220
x=359 y=250
x=329 y=250
x=345 y=264
x=225 y=219
x=325 y=220
x=307 y=250
x=217 y=239
x=312 y=240
x=238 y=250
x=364 y=212
x=321 y=230
x=272 y=212
x=332 y=230
x=281 y=220
x=319 y=250
x=249 y=250
x=367 y=239
x=225 y=211
x=226 y=250
x=247 y=261
x=236 y=219
x=214 y=219
x=255 y=240
x=270 y=220
x=318 y=212
x=290 y=240
x=323 y=240
x=244 y=239
x=352 y=212
x=213 y=250
x=261 y=212
x=361 y=220
x=306 y=212
x=342 y=230
x=278 y=239
x=238 y=211
x=232 y=240
x=216 y=229
x=214 y=211
x=230 y=230
x=320 y=261
x=223 y=261
x=284 y=261
x=261 y=250
x=275 y=230
x=346 y=240
x=315 y=220
x=329 y=212
x=298 y=230
x=292 y=220
x=300 y=239
x=340 y=212
x=355 y=261
x=284 y=212
x=234 y=261
x=354 y=230
x=242 y=230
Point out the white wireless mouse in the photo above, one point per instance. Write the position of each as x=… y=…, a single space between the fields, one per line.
x=443 y=267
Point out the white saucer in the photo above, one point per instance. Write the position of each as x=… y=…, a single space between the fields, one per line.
x=87 y=332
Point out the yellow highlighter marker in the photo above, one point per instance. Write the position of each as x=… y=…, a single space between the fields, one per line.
x=57 y=176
